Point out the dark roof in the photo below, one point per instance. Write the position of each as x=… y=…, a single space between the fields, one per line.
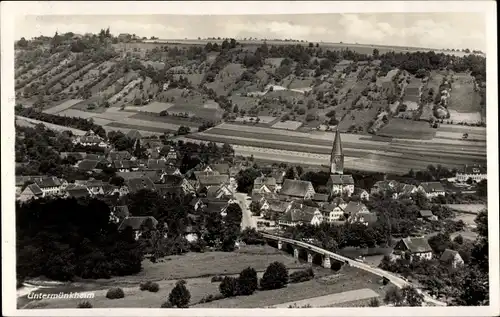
x=278 y=205
x=170 y=169
x=353 y=207
x=95 y=183
x=77 y=192
x=222 y=168
x=35 y=189
x=134 y=134
x=342 y=179
x=121 y=211
x=172 y=180
x=96 y=157
x=298 y=215
x=203 y=173
x=431 y=187
x=262 y=180
x=87 y=165
x=136 y=222
x=207 y=180
x=136 y=184
x=426 y=213
x=125 y=164
x=385 y=185
x=417 y=245
x=320 y=197
x=448 y=255
x=44 y=182
x=338 y=201
x=214 y=191
x=76 y=155
x=337 y=145
x=156 y=164
x=164 y=189
x=119 y=155
x=296 y=188
x=20 y=180
x=155 y=176
x=473 y=169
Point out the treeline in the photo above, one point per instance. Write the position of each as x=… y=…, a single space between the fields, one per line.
x=71 y=122
x=62 y=245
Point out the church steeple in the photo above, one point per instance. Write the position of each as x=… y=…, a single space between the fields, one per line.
x=337 y=156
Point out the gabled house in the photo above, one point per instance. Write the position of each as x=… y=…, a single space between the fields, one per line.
x=432 y=189
x=413 y=247
x=126 y=165
x=403 y=191
x=87 y=165
x=279 y=176
x=175 y=181
x=49 y=185
x=119 y=156
x=96 y=187
x=136 y=184
x=340 y=185
x=297 y=189
x=382 y=187
x=320 y=198
x=31 y=191
x=90 y=139
x=139 y=225
x=156 y=164
x=452 y=258
x=115 y=190
x=219 y=192
x=222 y=168
x=476 y=173
x=205 y=181
x=354 y=207
x=264 y=184
x=155 y=176
x=77 y=191
x=295 y=216
x=332 y=212
x=21 y=181
x=172 y=170
x=427 y=215
x=362 y=193
x=365 y=218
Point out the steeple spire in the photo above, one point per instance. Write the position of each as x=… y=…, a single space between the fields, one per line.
x=337 y=156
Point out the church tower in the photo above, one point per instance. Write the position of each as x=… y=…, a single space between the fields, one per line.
x=337 y=156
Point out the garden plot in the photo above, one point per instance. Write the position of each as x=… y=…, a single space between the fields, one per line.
x=194 y=79
x=154 y=107
x=155 y=65
x=287 y=125
x=302 y=83
x=244 y=103
x=468 y=117
x=261 y=119
x=332 y=299
x=427 y=112
x=63 y=106
x=74 y=83
x=463 y=97
x=101 y=121
x=226 y=78
x=387 y=78
x=77 y=113
x=401 y=128
x=359 y=118
x=114 y=115
x=125 y=91
x=146 y=124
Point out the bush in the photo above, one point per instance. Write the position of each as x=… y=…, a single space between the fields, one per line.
x=374 y=302
x=115 y=293
x=217 y=278
x=167 y=304
x=180 y=296
x=302 y=276
x=276 y=276
x=84 y=304
x=210 y=298
x=229 y=286
x=154 y=287
x=145 y=286
x=252 y=236
x=385 y=281
x=247 y=282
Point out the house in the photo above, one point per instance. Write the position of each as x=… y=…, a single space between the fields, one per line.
x=90 y=139
x=365 y=218
x=172 y=170
x=119 y=213
x=340 y=185
x=178 y=182
x=190 y=234
x=383 y=187
x=362 y=193
x=403 y=191
x=222 y=168
x=115 y=190
x=21 y=181
x=139 y=225
x=77 y=191
x=156 y=164
x=297 y=189
x=136 y=184
x=354 y=207
x=125 y=165
x=49 y=185
x=279 y=176
x=320 y=198
x=338 y=201
x=31 y=191
x=332 y=212
x=428 y=215
x=414 y=247
x=476 y=173
x=155 y=176
x=205 y=181
x=431 y=189
x=451 y=257
x=295 y=216
x=87 y=165
x=264 y=184
x=218 y=192
x=172 y=155
x=78 y=156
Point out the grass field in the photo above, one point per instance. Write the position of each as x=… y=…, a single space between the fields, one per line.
x=153 y=107
x=401 y=128
x=333 y=299
x=469 y=208
x=287 y=125
x=167 y=119
x=63 y=106
x=469 y=117
x=463 y=97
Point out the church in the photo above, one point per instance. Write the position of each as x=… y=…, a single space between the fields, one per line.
x=339 y=184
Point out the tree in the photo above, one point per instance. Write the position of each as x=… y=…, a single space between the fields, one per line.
x=245 y=179
x=375 y=53
x=229 y=286
x=411 y=296
x=183 y=130
x=276 y=276
x=374 y=303
x=439 y=242
x=247 y=281
x=394 y=296
x=482 y=188
x=180 y=295
x=117 y=181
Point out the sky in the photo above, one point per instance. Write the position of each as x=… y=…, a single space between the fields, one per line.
x=426 y=30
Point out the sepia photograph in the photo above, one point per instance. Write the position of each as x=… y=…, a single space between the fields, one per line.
x=189 y=157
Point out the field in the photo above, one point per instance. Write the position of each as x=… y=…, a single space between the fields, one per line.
x=469 y=117
x=362 y=152
x=63 y=106
x=154 y=107
x=401 y=128
x=333 y=300
x=287 y=125
x=26 y=121
x=467 y=208
x=463 y=97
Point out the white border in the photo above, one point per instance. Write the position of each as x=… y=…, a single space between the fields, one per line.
x=9 y=10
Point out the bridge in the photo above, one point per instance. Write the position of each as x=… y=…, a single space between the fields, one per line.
x=317 y=255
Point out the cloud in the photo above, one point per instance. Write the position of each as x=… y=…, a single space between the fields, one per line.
x=275 y=29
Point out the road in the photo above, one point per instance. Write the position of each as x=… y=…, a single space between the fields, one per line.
x=247 y=220
x=395 y=279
